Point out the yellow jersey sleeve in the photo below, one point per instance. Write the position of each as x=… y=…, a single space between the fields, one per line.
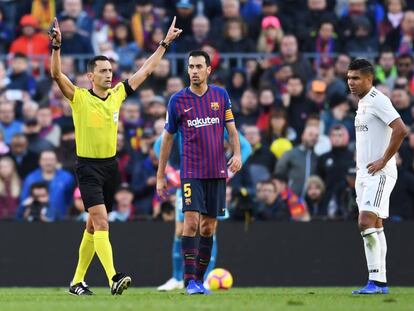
x=77 y=100
x=119 y=93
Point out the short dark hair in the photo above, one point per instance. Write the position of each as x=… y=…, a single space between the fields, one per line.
x=362 y=65
x=201 y=53
x=39 y=185
x=92 y=63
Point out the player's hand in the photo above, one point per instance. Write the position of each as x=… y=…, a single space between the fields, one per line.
x=376 y=166
x=54 y=33
x=173 y=32
x=235 y=164
x=162 y=188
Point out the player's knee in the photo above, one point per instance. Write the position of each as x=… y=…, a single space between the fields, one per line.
x=207 y=230
x=101 y=224
x=365 y=223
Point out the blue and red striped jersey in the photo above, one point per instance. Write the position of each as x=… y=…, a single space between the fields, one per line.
x=200 y=121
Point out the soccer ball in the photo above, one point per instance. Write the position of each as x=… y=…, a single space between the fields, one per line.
x=219 y=279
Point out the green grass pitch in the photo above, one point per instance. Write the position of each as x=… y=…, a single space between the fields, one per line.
x=256 y=299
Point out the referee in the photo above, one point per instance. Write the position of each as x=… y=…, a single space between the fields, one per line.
x=95 y=115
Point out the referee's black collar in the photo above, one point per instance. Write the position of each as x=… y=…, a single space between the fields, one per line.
x=93 y=93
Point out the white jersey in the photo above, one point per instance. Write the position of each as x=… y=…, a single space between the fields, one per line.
x=375 y=112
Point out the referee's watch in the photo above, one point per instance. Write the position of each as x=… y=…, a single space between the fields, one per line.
x=164 y=44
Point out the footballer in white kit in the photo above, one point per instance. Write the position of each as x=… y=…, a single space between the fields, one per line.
x=379 y=134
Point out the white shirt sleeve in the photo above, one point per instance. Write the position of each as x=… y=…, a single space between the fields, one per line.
x=385 y=111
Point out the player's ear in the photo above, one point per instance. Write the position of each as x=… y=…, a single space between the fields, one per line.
x=208 y=69
x=90 y=76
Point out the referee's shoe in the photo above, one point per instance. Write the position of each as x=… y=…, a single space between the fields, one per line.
x=80 y=289
x=120 y=283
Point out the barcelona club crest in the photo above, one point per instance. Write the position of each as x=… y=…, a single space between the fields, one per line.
x=215 y=106
x=187 y=201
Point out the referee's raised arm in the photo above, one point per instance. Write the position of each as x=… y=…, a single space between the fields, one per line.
x=153 y=61
x=65 y=85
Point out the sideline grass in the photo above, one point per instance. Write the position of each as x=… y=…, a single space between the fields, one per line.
x=256 y=299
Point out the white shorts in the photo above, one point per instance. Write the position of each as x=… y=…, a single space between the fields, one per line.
x=373 y=193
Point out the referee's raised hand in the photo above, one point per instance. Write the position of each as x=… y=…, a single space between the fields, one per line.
x=173 y=32
x=54 y=33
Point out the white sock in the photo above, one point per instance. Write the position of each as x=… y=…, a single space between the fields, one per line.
x=372 y=252
x=383 y=266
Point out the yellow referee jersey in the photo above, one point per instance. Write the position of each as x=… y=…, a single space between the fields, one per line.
x=96 y=121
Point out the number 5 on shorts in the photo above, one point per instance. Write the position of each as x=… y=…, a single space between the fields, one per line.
x=187 y=190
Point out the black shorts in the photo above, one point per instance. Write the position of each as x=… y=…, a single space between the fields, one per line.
x=206 y=196
x=98 y=180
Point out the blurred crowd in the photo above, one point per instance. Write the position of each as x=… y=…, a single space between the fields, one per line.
x=291 y=104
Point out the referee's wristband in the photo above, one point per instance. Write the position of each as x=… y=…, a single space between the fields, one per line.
x=56 y=47
x=164 y=44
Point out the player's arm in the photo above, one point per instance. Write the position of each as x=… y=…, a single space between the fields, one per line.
x=166 y=145
x=65 y=85
x=235 y=161
x=399 y=131
x=152 y=62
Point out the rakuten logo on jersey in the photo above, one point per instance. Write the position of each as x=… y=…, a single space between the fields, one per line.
x=200 y=122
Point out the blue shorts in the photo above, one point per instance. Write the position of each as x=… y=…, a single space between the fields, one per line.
x=206 y=196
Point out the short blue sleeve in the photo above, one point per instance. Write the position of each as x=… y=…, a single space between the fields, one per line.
x=171 y=122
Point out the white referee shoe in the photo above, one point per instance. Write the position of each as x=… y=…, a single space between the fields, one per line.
x=171 y=284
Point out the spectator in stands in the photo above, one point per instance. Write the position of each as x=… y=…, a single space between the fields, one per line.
x=235 y=38
x=60 y=184
x=37 y=144
x=402 y=198
x=125 y=46
x=278 y=127
x=31 y=43
x=199 y=35
x=334 y=85
x=310 y=19
x=123 y=209
x=290 y=54
x=104 y=28
x=324 y=42
x=356 y=9
x=10 y=187
x=405 y=69
x=44 y=11
x=74 y=41
x=174 y=84
x=261 y=163
x=4 y=148
x=300 y=162
x=362 y=39
x=158 y=78
x=4 y=79
x=270 y=35
x=143 y=184
x=143 y=21
x=229 y=9
x=185 y=11
x=124 y=159
x=48 y=130
x=392 y=19
x=338 y=114
x=401 y=38
x=6 y=35
x=333 y=165
x=297 y=106
x=37 y=205
x=155 y=36
x=316 y=94
x=236 y=85
x=8 y=124
x=386 y=70
x=269 y=205
x=315 y=190
x=341 y=66
x=20 y=78
x=26 y=161
x=74 y=9
x=406 y=151
x=401 y=101
x=249 y=109
x=267 y=102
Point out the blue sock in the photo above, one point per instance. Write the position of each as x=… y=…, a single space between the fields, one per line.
x=177 y=259
x=213 y=257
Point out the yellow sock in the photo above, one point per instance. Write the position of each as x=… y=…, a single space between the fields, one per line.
x=104 y=250
x=86 y=252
